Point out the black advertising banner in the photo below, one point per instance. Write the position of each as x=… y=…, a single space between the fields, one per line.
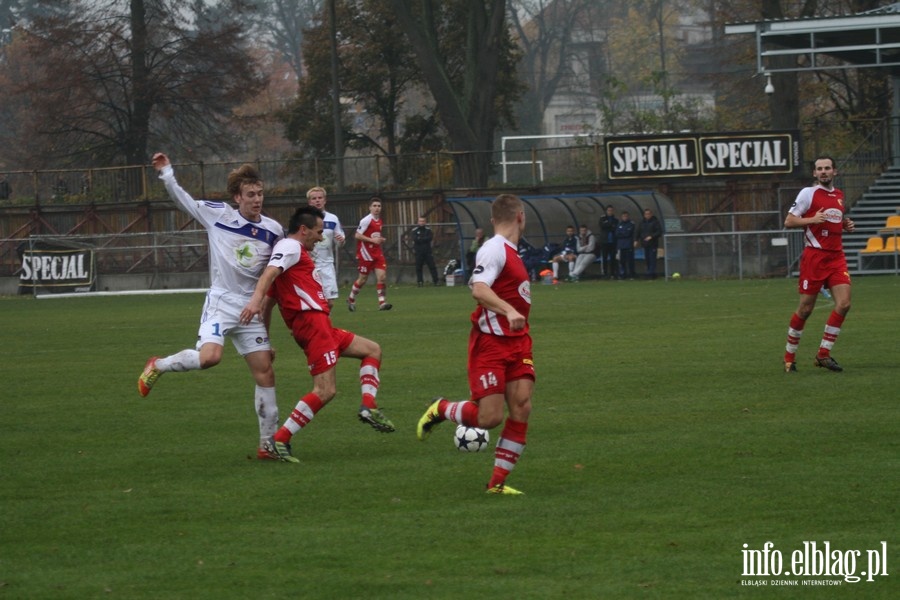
x=698 y=155
x=56 y=269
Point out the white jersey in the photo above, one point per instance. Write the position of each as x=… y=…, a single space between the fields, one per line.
x=324 y=251
x=238 y=249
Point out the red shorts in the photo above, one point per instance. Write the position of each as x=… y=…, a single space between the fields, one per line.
x=495 y=360
x=820 y=267
x=321 y=342
x=368 y=266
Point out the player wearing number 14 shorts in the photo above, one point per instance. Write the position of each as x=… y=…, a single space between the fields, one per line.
x=501 y=366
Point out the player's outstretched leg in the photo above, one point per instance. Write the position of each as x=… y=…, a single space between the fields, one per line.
x=502 y=488
x=430 y=419
x=828 y=362
x=375 y=418
x=278 y=451
x=148 y=377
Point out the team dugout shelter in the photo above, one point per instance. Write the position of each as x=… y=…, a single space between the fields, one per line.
x=546 y=217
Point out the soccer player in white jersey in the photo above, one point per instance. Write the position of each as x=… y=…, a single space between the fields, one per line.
x=292 y=280
x=325 y=251
x=240 y=244
x=501 y=365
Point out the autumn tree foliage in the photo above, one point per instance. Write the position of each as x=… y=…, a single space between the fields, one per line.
x=104 y=83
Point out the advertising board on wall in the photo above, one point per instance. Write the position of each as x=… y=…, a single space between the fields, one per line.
x=703 y=155
x=53 y=269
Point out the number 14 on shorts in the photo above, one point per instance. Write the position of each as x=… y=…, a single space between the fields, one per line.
x=488 y=380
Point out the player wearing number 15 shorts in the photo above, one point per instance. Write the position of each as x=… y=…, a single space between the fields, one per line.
x=291 y=279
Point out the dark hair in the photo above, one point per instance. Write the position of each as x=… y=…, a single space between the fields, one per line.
x=375 y=199
x=824 y=157
x=245 y=174
x=305 y=215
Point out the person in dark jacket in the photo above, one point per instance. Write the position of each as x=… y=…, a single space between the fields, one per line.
x=421 y=237
x=608 y=224
x=625 y=246
x=648 y=233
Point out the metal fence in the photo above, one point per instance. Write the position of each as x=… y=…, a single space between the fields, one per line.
x=731 y=245
x=424 y=172
x=737 y=254
x=160 y=260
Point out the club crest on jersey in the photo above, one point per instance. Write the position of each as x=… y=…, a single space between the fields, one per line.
x=525 y=291
x=244 y=255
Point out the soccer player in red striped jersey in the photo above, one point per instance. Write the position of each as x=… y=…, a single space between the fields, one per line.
x=501 y=366
x=291 y=279
x=819 y=209
x=370 y=256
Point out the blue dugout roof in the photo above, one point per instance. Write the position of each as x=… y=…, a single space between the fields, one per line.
x=546 y=217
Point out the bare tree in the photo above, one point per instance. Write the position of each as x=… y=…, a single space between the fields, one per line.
x=554 y=36
x=468 y=90
x=284 y=23
x=105 y=83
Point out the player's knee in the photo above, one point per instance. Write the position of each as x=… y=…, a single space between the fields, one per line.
x=325 y=392
x=520 y=411
x=210 y=355
x=489 y=420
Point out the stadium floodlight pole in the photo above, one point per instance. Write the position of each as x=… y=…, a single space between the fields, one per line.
x=336 y=98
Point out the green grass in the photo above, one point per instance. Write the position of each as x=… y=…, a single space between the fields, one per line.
x=664 y=437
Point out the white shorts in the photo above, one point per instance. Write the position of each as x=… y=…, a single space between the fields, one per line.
x=221 y=317
x=328 y=279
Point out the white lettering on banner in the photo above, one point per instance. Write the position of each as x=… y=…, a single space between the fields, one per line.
x=697 y=155
x=652 y=157
x=53 y=267
x=744 y=154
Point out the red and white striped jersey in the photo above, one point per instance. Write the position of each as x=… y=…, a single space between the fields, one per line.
x=498 y=265
x=297 y=288
x=369 y=227
x=829 y=234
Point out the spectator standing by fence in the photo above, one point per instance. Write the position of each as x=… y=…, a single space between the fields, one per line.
x=608 y=247
x=625 y=245
x=648 y=232
x=422 y=238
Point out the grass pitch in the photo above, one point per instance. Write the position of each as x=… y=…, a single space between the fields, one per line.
x=664 y=437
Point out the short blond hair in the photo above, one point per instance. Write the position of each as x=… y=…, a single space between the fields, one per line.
x=317 y=188
x=506 y=207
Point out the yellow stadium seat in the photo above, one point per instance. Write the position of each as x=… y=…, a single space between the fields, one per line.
x=893 y=222
x=874 y=244
x=890 y=245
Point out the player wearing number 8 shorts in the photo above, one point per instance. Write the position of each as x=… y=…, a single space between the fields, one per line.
x=819 y=210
